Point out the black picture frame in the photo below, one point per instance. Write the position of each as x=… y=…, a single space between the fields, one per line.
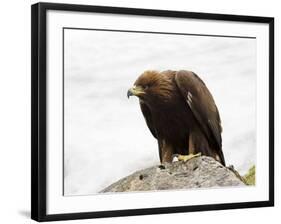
x=39 y=116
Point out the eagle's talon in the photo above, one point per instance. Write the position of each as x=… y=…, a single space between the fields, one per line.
x=185 y=158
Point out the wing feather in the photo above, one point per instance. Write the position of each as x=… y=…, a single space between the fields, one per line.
x=201 y=103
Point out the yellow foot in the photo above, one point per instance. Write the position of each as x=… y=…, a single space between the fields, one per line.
x=186 y=157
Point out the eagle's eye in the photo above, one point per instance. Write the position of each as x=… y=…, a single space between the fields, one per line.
x=145 y=87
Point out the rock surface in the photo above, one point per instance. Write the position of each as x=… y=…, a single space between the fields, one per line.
x=199 y=172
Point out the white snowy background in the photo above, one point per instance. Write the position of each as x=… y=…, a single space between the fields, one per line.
x=106 y=137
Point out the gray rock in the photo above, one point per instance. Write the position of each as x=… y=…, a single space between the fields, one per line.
x=199 y=172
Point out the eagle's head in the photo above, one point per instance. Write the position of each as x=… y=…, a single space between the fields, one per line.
x=152 y=87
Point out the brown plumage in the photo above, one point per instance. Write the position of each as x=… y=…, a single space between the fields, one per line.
x=180 y=112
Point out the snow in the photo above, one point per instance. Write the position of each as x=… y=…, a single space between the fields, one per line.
x=106 y=137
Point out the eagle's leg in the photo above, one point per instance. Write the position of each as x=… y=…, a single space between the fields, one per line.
x=166 y=152
x=191 y=151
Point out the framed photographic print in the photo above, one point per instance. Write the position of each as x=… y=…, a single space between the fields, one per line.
x=140 y=111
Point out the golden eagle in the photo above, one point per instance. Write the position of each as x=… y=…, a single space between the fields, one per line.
x=181 y=114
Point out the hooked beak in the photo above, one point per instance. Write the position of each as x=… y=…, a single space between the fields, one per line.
x=135 y=91
x=129 y=93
